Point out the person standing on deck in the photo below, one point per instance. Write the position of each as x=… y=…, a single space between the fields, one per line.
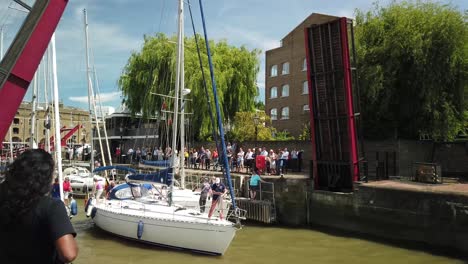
x=205 y=191
x=218 y=190
x=98 y=189
x=67 y=189
x=34 y=228
x=55 y=193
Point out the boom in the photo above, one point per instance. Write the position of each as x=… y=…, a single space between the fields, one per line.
x=24 y=55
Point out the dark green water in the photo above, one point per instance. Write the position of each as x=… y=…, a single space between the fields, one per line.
x=252 y=244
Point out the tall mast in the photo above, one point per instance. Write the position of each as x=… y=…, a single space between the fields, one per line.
x=57 y=141
x=182 y=103
x=1 y=42
x=46 y=95
x=92 y=97
x=103 y=120
x=1 y=57
x=218 y=111
x=177 y=88
x=90 y=92
x=33 y=110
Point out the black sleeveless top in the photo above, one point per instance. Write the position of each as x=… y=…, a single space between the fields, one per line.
x=31 y=238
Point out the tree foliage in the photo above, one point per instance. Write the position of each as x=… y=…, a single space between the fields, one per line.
x=152 y=70
x=412 y=68
x=305 y=133
x=244 y=127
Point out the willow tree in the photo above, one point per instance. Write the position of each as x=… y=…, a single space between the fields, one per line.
x=152 y=70
x=413 y=66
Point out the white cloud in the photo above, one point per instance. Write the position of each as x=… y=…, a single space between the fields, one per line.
x=105 y=97
x=105 y=38
x=349 y=13
x=246 y=37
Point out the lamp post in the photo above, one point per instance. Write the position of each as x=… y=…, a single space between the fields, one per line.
x=256 y=119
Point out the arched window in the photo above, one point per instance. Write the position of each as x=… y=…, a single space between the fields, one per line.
x=285 y=68
x=285 y=90
x=285 y=113
x=274 y=71
x=274 y=114
x=304 y=65
x=273 y=92
x=305 y=87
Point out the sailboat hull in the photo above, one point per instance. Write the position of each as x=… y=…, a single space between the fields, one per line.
x=165 y=226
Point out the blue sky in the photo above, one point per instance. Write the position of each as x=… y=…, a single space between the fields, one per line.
x=116 y=28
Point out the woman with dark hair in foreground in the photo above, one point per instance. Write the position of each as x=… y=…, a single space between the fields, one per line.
x=34 y=228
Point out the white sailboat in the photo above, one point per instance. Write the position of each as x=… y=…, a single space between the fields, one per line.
x=163 y=222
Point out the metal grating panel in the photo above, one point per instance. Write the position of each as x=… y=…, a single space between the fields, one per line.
x=331 y=115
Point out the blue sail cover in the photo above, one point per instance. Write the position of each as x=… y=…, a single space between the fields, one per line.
x=158 y=163
x=162 y=177
x=115 y=167
x=120 y=187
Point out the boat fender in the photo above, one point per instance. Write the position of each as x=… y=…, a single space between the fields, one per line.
x=140 y=229
x=87 y=204
x=73 y=207
x=93 y=212
x=89 y=208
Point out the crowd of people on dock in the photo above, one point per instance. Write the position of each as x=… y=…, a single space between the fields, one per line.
x=240 y=159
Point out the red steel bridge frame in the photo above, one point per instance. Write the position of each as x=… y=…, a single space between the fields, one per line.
x=333 y=116
x=22 y=59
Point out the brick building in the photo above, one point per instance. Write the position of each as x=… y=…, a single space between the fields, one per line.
x=20 y=128
x=286 y=86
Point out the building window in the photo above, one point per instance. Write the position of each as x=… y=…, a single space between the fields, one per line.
x=305 y=108
x=274 y=71
x=274 y=92
x=273 y=114
x=15 y=130
x=285 y=68
x=305 y=87
x=16 y=121
x=285 y=91
x=285 y=113
x=304 y=65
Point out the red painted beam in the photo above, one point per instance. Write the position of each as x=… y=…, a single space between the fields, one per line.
x=349 y=98
x=46 y=15
x=311 y=109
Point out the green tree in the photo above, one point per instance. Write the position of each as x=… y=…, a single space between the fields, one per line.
x=412 y=68
x=244 y=127
x=283 y=136
x=152 y=70
x=259 y=105
x=305 y=133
